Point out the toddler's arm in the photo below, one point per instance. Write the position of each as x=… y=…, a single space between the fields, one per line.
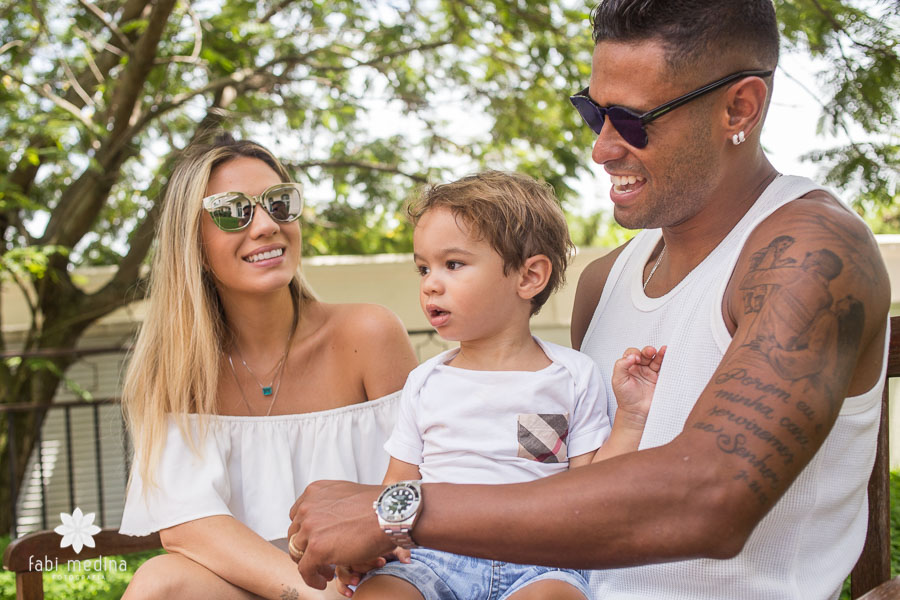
x=633 y=381
x=400 y=471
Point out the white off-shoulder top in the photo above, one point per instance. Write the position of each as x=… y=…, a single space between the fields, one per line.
x=254 y=468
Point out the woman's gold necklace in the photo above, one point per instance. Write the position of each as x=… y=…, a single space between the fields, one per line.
x=266 y=390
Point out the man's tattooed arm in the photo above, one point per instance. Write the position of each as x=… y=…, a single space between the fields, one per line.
x=809 y=308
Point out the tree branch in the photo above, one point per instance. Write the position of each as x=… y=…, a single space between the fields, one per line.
x=21 y=179
x=115 y=293
x=9 y=45
x=75 y=85
x=358 y=164
x=275 y=10
x=45 y=92
x=132 y=78
x=99 y=44
x=93 y=9
x=81 y=202
x=839 y=27
x=403 y=51
x=194 y=58
x=240 y=81
x=92 y=66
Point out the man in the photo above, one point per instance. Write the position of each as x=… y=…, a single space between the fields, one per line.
x=752 y=474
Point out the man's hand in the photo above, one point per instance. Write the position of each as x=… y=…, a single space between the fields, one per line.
x=333 y=524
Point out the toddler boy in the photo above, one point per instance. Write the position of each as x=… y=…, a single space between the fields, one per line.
x=504 y=407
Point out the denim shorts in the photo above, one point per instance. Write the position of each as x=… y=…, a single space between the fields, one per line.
x=445 y=576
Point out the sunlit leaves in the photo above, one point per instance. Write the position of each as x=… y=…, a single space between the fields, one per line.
x=861 y=94
x=27 y=263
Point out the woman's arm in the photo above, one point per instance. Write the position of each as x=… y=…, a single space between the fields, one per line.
x=231 y=550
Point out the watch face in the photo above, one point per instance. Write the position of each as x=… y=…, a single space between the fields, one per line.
x=398 y=503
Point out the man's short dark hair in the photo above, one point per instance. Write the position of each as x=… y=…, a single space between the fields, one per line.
x=694 y=32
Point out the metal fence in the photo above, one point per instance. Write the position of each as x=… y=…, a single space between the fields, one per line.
x=80 y=458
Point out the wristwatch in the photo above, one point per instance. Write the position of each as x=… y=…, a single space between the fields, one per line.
x=397 y=509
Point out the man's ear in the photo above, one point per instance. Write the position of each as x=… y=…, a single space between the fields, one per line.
x=746 y=107
x=534 y=275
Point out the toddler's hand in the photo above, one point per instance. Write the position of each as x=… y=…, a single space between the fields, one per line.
x=352 y=575
x=634 y=380
x=402 y=554
x=347 y=576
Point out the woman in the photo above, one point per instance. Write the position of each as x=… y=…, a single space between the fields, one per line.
x=243 y=387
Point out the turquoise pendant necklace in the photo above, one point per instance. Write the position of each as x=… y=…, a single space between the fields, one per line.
x=241 y=389
x=266 y=389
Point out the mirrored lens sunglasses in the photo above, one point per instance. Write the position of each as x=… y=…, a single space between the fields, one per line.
x=233 y=211
x=630 y=124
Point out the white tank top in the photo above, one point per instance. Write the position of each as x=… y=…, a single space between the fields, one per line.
x=810 y=540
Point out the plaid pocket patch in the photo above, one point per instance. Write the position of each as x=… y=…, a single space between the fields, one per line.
x=543 y=437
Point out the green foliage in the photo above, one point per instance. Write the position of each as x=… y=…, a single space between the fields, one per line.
x=895 y=533
x=597 y=229
x=28 y=263
x=82 y=582
x=860 y=41
x=312 y=77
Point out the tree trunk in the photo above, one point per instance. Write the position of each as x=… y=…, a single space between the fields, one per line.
x=20 y=432
x=36 y=387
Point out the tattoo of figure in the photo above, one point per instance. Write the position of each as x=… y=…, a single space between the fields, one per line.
x=799 y=329
x=767 y=258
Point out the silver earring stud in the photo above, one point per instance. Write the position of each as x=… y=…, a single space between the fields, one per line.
x=738 y=138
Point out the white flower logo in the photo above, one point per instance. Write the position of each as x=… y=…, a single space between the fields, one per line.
x=77 y=530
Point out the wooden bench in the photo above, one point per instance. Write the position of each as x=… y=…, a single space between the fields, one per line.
x=870 y=579
x=873 y=568
x=23 y=555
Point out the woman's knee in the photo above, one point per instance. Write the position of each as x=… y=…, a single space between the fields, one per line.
x=158 y=577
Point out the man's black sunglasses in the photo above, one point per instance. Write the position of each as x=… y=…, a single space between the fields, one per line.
x=630 y=124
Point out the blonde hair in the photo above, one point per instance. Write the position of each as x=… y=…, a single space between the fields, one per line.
x=518 y=216
x=177 y=360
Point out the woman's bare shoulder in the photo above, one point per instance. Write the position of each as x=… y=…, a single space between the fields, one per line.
x=374 y=340
x=362 y=320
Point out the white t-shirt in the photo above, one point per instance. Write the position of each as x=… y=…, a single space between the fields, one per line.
x=808 y=542
x=466 y=426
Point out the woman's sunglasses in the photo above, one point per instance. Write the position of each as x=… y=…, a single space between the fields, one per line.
x=630 y=124
x=233 y=211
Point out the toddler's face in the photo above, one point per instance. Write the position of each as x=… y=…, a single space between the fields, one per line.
x=463 y=290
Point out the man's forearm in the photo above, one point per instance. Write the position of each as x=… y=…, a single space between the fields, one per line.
x=651 y=506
